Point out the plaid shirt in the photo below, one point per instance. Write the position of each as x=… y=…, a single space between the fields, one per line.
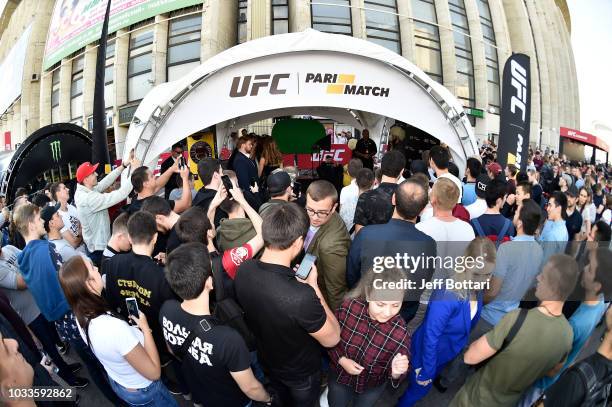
x=369 y=343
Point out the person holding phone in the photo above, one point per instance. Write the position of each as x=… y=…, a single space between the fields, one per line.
x=127 y=353
x=374 y=342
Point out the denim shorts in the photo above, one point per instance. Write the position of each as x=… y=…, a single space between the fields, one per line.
x=154 y=395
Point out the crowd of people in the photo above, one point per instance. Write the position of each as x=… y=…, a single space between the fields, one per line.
x=254 y=291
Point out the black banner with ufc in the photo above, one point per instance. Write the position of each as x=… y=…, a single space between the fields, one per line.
x=515 y=112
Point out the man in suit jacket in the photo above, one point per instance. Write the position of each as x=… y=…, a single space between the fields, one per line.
x=175 y=179
x=327 y=239
x=246 y=169
x=399 y=235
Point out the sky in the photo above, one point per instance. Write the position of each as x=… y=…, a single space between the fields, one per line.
x=592 y=46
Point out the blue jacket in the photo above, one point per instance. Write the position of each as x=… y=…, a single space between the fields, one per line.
x=39 y=264
x=443 y=334
x=388 y=239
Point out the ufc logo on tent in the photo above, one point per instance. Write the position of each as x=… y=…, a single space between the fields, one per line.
x=519 y=82
x=250 y=86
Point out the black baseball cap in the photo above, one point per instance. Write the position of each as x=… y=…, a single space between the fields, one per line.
x=481 y=185
x=278 y=182
x=47 y=212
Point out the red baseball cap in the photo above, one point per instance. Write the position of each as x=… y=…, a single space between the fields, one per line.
x=85 y=170
x=495 y=168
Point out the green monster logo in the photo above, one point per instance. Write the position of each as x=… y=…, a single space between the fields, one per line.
x=56 y=150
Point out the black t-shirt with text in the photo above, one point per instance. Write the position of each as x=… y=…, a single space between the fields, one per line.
x=210 y=358
x=134 y=275
x=281 y=313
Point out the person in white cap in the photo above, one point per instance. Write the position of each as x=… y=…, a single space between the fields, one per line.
x=93 y=203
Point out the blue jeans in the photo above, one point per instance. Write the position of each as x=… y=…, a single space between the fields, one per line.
x=154 y=395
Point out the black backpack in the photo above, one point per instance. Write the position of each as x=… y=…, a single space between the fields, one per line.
x=597 y=391
x=226 y=310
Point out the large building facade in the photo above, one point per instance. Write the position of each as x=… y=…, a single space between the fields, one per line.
x=462 y=44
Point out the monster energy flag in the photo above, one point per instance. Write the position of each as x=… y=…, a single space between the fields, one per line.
x=515 y=112
x=100 y=141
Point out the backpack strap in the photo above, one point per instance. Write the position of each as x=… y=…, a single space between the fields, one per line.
x=217 y=274
x=503 y=231
x=182 y=351
x=478 y=228
x=515 y=328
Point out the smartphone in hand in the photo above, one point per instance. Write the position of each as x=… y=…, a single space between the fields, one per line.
x=132 y=308
x=305 y=266
x=227 y=183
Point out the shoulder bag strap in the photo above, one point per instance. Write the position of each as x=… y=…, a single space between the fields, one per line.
x=503 y=231
x=182 y=351
x=217 y=273
x=478 y=227
x=514 y=330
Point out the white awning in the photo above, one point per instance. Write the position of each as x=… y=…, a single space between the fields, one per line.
x=300 y=73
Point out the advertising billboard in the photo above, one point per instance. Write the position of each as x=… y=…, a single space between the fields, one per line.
x=76 y=23
x=11 y=71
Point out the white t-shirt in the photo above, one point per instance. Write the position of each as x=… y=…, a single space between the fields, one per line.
x=607 y=216
x=71 y=220
x=589 y=213
x=112 y=339
x=479 y=207
x=440 y=231
x=348 y=202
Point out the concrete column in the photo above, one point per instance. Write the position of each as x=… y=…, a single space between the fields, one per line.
x=65 y=81
x=447 y=45
x=89 y=81
x=17 y=124
x=299 y=15
x=160 y=49
x=44 y=107
x=122 y=45
x=541 y=64
x=30 y=87
x=219 y=27
x=540 y=22
x=358 y=19
x=259 y=19
x=479 y=62
x=502 y=33
x=522 y=42
x=406 y=25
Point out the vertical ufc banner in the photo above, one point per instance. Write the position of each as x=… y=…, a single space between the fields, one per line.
x=515 y=112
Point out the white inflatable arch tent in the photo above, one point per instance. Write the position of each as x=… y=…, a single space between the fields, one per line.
x=342 y=78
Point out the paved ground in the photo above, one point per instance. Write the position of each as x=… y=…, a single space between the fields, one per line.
x=91 y=396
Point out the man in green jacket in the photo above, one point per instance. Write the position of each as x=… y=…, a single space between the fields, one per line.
x=327 y=239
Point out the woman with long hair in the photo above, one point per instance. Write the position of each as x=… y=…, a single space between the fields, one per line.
x=451 y=315
x=128 y=353
x=563 y=187
x=270 y=159
x=374 y=341
x=587 y=210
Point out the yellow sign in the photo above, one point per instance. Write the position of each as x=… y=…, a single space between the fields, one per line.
x=199 y=146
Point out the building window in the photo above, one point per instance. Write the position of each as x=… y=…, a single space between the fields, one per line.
x=463 y=51
x=140 y=80
x=490 y=54
x=382 y=23
x=427 y=38
x=55 y=95
x=183 y=45
x=109 y=74
x=280 y=16
x=242 y=21
x=332 y=17
x=76 y=88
